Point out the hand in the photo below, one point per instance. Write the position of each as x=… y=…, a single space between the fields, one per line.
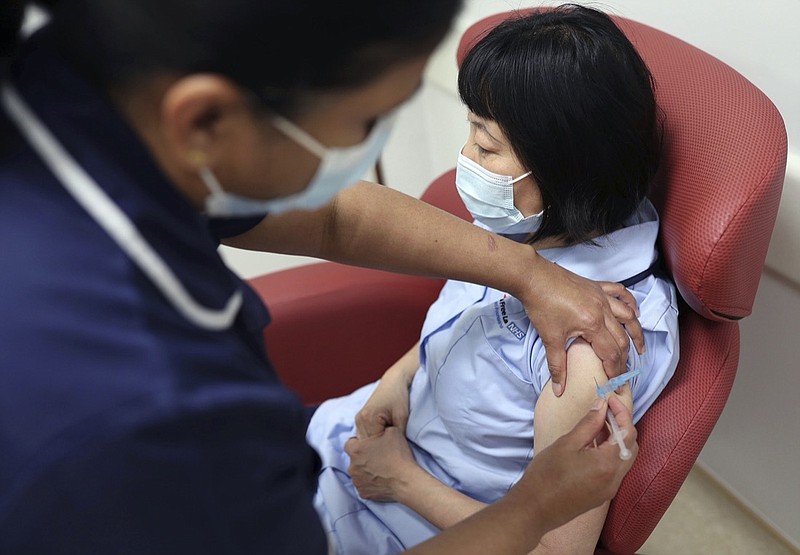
x=564 y=305
x=387 y=406
x=572 y=476
x=623 y=305
x=381 y=465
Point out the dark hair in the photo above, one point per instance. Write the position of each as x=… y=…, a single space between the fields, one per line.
x=576 y=102
x=276 y=48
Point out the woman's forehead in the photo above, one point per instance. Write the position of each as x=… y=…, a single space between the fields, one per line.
x=489 y=127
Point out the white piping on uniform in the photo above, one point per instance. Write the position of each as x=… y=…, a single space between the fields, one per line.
x=112 y=219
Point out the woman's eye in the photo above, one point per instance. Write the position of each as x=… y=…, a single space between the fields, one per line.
x=481 y=151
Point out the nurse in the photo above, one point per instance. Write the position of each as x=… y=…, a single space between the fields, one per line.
x=138 y=410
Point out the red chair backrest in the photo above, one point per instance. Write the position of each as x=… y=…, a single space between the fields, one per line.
x=718 y=192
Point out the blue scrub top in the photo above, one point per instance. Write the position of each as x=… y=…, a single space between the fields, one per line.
x=125 y=426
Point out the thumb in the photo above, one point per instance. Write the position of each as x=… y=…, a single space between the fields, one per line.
x=590 y=426
x=557 y=364
x=350 y=446
x=367 y=424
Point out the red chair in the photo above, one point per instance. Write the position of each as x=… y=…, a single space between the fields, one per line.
x=336 y=328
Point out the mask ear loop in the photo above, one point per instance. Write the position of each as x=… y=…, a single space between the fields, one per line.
x=210 y=180
x=300 y=136
x=198 y=158
x=521 y=177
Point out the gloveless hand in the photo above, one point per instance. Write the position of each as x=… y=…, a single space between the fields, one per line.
x=563 y=305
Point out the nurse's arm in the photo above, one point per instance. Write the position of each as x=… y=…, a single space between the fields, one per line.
x=374 y=226
x=565 y=480
x=385 y=470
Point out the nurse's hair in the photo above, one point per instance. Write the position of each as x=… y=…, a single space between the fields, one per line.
x=576 y=102
x=278 y=49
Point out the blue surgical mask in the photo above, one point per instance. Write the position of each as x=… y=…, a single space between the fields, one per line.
x=339 y=168
x=489 y=197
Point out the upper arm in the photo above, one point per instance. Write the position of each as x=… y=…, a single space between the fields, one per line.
x=555 y=416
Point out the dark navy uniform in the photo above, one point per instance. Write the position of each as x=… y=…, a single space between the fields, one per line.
x=138 y=410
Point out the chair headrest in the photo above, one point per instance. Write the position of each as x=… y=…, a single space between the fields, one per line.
x=721 y=173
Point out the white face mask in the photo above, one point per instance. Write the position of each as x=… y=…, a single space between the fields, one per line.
x=489 y=197
x=339 y=168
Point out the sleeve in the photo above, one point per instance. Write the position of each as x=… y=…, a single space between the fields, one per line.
x=227 y=481
x=223 y=228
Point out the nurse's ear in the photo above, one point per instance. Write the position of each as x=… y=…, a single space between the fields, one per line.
x=201 y=113
x=207 y=121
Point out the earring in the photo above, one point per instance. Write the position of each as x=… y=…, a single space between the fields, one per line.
x=198 y=159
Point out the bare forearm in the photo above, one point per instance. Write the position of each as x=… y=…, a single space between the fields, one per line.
x=437 y=503
x=510 y=526
x=420 y=239
x=406 y=366
x=374 y=226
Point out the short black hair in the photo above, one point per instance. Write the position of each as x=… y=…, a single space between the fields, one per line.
x=577 y=104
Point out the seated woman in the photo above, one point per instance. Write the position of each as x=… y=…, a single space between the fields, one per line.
x=563 y=145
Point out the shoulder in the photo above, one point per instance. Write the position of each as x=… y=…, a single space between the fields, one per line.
x=657 y=299
x=584 y=363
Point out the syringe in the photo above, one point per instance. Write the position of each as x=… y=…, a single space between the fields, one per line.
x=615 y=383
x=618 y=437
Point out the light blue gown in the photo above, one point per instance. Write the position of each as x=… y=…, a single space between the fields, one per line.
x=482 y=368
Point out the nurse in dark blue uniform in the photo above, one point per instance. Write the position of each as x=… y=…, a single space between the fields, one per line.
x=139 y=412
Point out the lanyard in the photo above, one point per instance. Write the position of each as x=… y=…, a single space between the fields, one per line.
x=86 y=192
x=654 y=269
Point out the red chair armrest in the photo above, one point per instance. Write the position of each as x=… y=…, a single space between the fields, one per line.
x=335 y=328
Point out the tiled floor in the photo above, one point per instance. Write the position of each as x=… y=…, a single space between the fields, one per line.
x=704 y=520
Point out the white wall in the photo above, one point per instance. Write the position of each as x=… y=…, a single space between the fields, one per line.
x=755 y=448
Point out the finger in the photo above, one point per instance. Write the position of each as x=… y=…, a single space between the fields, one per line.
x=636 y=334
x=362 y=425
x=607 y=347
x=557 y=364
x=350 y=446
x=622 y=312
x=590 y=426
x=624 y=419
x=623 y=342
x=370 y=425
x=619 y=292
x=625 y=316
x=616 y=329
x=623 y=305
